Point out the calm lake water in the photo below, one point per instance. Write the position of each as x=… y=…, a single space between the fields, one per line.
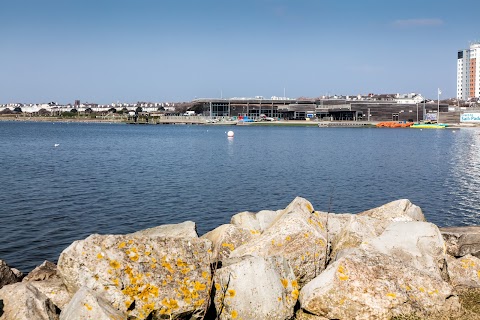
x=116 y=178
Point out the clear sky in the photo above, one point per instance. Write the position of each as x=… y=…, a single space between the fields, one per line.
x=172 y=50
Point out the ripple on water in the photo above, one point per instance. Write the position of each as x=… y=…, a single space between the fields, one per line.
x=120 y=179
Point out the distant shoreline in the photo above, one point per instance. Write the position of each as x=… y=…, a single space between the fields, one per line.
x=229 y=123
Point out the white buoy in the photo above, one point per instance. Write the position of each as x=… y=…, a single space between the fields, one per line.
x=230 y=134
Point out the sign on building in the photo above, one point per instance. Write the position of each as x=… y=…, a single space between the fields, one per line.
x=470 y=117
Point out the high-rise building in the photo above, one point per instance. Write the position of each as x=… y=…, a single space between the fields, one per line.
x=468 y=72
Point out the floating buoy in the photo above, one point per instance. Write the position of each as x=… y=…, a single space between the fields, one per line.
x=230 y=134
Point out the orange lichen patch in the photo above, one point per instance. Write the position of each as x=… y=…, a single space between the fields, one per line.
x=114 y=264
x=342 y=273
x=89 y=307
x=284 y=283
x=422 y=289
x=181 y=263
x=288 y=238
x=228 y=245
x=100 y=255
x=199 y=303
x=234 y=314
x=295 y=294
x=167 y=266
x=147 y=253
x=116 y=281
x=407 y=287
x=134 y=257
x=273 y=242
x=432 y=292
x=185 y=270
x=295 y=284
x=391 y=295
x=342 y=301
x=306 y=234
x=279 y=298
x=467 y=263
x=309 y=207
x=231 y=293
x=205 y=275
x=170 y=303
x=217 y=286
x=199 y=286
x=122 y=245
x=478 y=274
x=130 y=241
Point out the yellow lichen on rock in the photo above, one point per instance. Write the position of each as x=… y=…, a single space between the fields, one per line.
x=284 y=282
x=467 y=263
x=342 y=273
x=228 y=245
x=391 y=295
x=234 y=314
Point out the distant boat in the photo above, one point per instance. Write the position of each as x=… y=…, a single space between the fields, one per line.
x=56 y=144
x=429 y=126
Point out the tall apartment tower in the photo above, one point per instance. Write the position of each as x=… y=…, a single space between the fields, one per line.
x=468 y=72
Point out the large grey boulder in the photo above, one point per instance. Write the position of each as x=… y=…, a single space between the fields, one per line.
x=256 y=222
x=226 y=238
x=23 y=301
x=420 y=244
x=398 y=210
x=140 y=275
x=464 y=271
x=255 y=288
x=461 y=241
x=299 y=235
x=8 y=275
x=400 y=272
x=185 y=229
x=372 y=285
x=348 y=231
x=86 y=305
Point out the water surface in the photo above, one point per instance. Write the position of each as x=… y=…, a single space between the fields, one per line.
x=116 y=178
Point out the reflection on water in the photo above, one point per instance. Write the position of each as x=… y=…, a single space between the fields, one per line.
x=106 y=178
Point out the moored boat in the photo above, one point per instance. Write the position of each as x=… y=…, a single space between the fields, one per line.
x=429 y=126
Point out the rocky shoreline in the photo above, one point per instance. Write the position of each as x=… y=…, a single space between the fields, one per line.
x=295 y=263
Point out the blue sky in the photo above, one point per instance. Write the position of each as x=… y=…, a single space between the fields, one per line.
x=146 y=50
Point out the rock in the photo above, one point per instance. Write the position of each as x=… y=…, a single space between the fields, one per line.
x=461 y=241
x=85 y=305
x=44 y=277
x=8 y=275
x=298 y=235
x=464 y=271
x=22 y=301
x=185 y=229
x=372 y=285
x=399 y=210
x=140 y=275
x=255 y=222
x=226 y=238
x=255 y=288
x=42 y=272
x=420 y=244
x=347 y=231
x=302 y=315
x=55 y=290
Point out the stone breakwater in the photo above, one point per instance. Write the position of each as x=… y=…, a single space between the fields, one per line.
x=295 y=263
